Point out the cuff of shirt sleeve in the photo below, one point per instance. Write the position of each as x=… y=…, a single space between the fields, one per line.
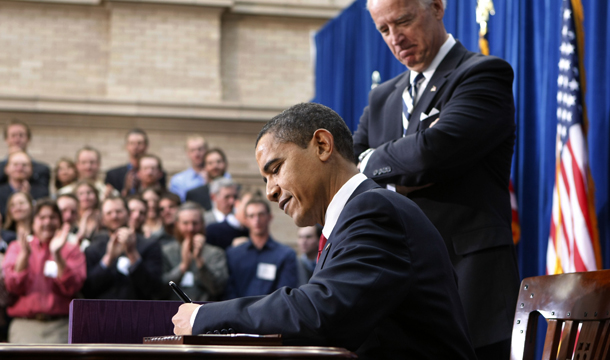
x=194 y=315
x=365 y=159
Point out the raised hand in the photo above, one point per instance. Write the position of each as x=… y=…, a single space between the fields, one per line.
x=59 y=240
x=186 y=254
x=113 y=249
x=127 y=238
x=198 y=243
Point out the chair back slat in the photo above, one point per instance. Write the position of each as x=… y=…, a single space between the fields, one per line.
x=587 y=340
x=568 y=337
x=603 y=350
x=551 y=343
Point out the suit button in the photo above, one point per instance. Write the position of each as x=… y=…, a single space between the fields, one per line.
x=375 y=172
x=216 y=332
x=224 y=331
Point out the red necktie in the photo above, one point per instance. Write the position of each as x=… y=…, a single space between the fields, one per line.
x=321 y=245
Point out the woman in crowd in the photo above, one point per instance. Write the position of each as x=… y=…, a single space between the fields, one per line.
x=65 y=173
x=89 y=209
x=153 y=225
x=19 y=213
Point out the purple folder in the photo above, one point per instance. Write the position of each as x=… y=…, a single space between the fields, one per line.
x=120 y=321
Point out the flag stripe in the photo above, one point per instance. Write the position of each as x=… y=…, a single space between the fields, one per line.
x=573 y=239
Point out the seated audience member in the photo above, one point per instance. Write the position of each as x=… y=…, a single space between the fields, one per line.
x=123 y=178
x=69 y=210
x=153 y=225
x=17 y=136
x=215 y=168
x=121 y=264
x=44 y=273
x=88 y=162
x=150 y=173
x=199 y=268
x=308 y=240
x=261 y=265
x=194 y=176
x=168 y=208
x=223 y=193
x=19 y=213
x=19 y=170
x=65 y=173
x=137 y=213
x=233 y=230
x=89 y=216
x=6 y=236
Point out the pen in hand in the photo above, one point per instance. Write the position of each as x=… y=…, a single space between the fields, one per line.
x=180 y=293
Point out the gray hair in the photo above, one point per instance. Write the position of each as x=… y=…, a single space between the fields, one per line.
x=221 y=183
x=422 y=3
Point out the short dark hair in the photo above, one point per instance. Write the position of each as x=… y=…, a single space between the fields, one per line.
x=217 y=151
x=151 y=156
x=18 y=122
x=138 y=131
x=138 y=198
x=171 y=197
x=258 y=200
x=47 y=202
x=88 y=148
x=298 y=123
x=318 y=230
x=115 y=198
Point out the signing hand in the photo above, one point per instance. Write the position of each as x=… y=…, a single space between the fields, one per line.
x=182 y=319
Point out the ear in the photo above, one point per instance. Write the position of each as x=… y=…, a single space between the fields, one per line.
x=437 y=9
x=324 y=144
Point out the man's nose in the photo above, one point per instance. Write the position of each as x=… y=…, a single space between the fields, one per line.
x=273 y=191
x=396 y=37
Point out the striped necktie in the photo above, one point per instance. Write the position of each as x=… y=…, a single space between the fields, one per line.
x=408 y=101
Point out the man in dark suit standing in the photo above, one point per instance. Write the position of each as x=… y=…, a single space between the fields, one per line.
x=442 y=133
x=124 y=178
x=383 y=285
x=17 y=135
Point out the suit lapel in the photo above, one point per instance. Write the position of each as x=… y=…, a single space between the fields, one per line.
x=364 y=186
x=428 y=97
x=395 y=112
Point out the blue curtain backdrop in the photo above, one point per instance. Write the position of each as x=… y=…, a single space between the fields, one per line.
x=526 y=34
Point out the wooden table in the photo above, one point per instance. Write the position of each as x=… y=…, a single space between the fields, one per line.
x=153 y=352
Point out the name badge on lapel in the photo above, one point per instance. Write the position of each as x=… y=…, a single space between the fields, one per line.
x=266 y=271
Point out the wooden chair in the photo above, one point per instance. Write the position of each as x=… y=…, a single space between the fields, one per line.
x=576 y=307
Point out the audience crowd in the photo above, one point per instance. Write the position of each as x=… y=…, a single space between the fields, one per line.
x=126 y=237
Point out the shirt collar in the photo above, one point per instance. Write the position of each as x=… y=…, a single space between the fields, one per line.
x=442 y=52
x=338 y=203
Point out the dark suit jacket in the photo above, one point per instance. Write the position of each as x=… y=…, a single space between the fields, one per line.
x=467 y=157
x=222 y=234
x=144 y=283
x=200 y=195
x=383 y=287
x=40 y=174
x=116 y=177
x=37 y=192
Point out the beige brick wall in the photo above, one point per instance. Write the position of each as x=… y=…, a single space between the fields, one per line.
x=161 y=52
x=53 y=49
x=267 y=60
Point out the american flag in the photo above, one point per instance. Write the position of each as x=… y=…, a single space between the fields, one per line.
x=573 y=240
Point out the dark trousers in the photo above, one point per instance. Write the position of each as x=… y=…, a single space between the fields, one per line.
x=495 y=351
